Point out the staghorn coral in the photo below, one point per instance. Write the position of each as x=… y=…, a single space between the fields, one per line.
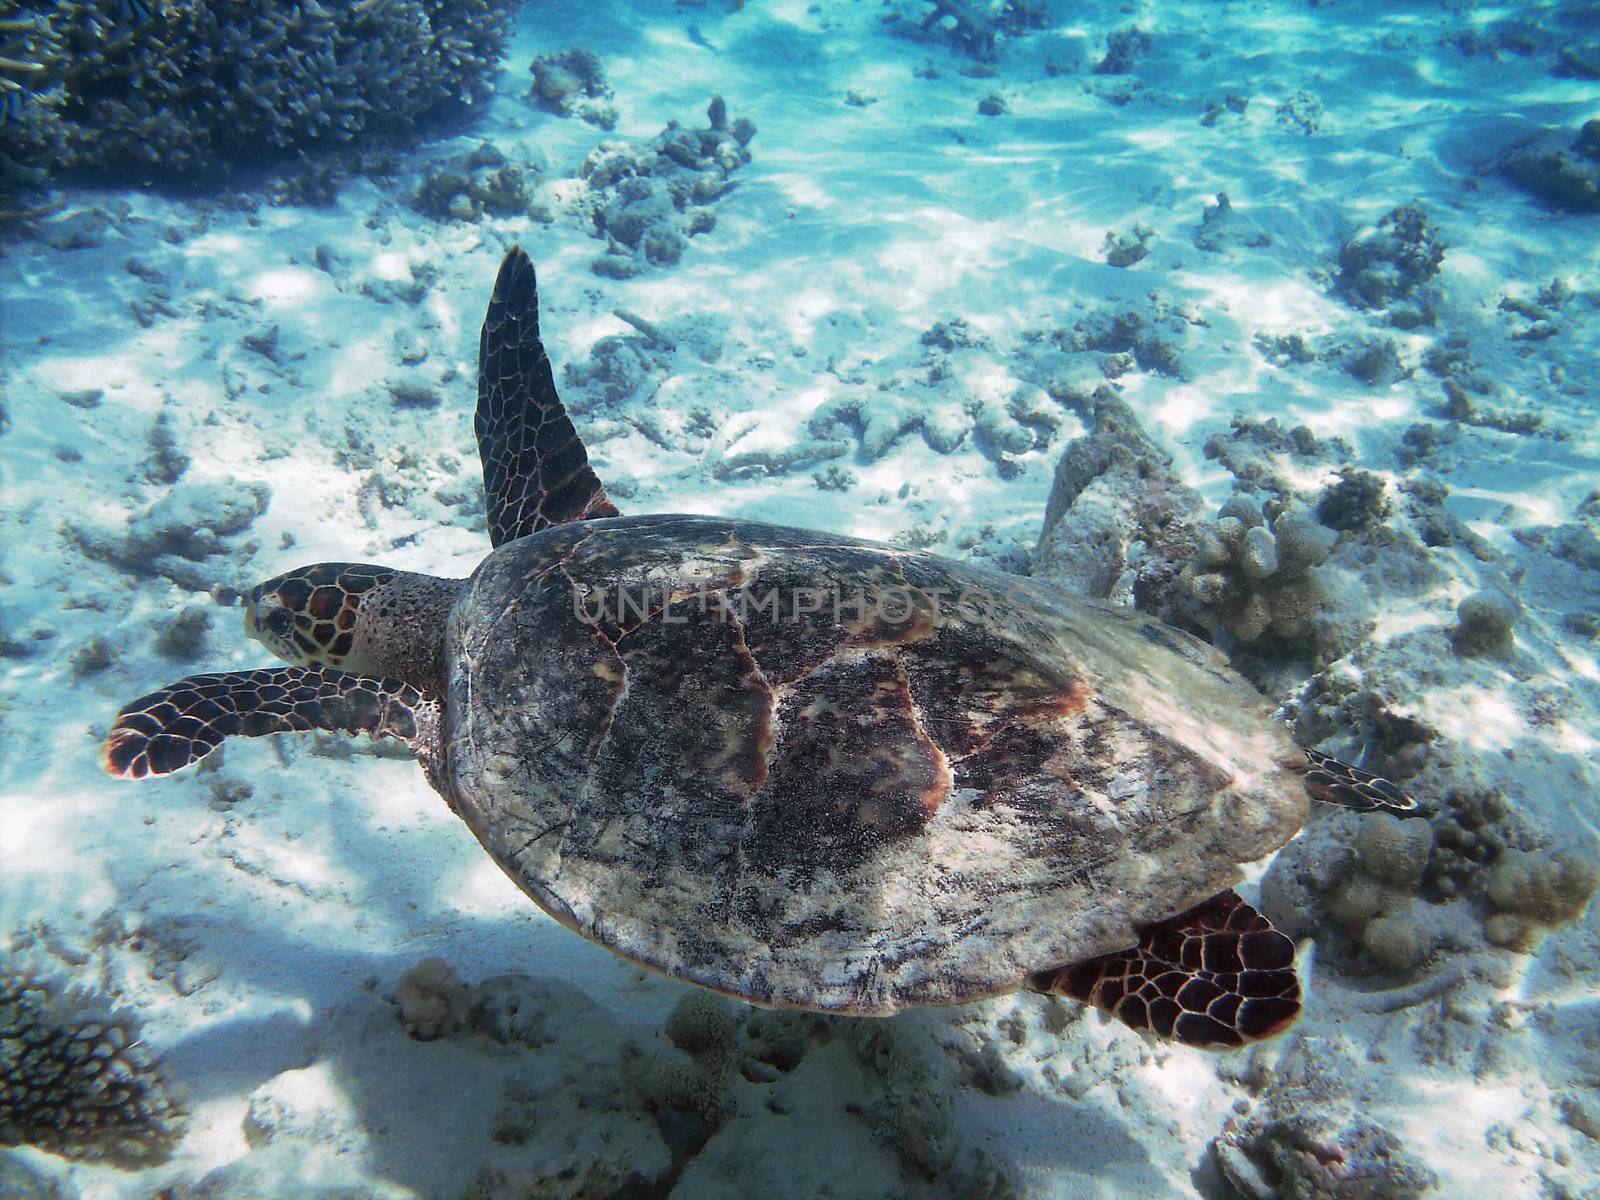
x=1258 y=581
x=199 y=89
x=74 y=1077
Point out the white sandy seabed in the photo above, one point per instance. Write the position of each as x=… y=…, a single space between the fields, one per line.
x=259 y=917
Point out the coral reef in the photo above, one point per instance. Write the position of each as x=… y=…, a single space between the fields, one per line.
x=648 y=200
x=466 y=186
x=1566 y=175
x=1222 y=229
x=194 y=90
x=1389 y=262
x=1356 y=501
x=1395 y=888
x=1127 y=336
x=1257 y=580
x=1124 y=47
x=177 y=533
x=431 y=1000
x=1377 y=903
x=1119 y=523
x=1295 y=1148
x=75 y=1078
x=1367 y=875
x=572 y=84
x=698 y=1109
x=1125 y=249
x=966 y=24
x=1263 y=456
x=1484 y=621
x=1533 y=892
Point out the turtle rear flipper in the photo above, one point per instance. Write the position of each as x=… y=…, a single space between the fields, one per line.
x=536 y=471
x=1334 y=782
x=1216 y=976
x=183 y=722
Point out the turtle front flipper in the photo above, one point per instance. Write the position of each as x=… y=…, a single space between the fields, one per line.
x=1216 y=976
x=185 y=721
x=536 y=471
x=1334 y=782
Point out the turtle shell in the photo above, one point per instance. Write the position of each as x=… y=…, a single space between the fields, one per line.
x=817 y=772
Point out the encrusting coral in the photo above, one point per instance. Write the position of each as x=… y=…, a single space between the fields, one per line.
x=195 y=89
x=75 y=1078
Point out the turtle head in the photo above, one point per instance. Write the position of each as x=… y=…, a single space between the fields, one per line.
x=360 y=618
x=311 y=614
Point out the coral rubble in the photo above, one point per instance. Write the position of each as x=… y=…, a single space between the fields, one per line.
x=647 y=201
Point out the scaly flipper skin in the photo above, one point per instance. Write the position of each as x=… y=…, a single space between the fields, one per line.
x=1216 y=976
x=185 y=721
x=1334 y=782
x=536 y=472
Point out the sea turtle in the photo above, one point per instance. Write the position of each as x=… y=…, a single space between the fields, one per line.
x=804 y=770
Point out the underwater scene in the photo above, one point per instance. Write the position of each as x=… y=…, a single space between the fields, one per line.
x=803 y=599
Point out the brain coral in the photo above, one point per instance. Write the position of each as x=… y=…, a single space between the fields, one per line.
x=74 y=1078
x=200 y=88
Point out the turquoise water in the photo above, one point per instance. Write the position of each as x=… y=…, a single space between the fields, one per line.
x=1275 y=322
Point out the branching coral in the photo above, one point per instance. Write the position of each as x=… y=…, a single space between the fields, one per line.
x=200 y=88
x=74 y=1077
x=1256 y=580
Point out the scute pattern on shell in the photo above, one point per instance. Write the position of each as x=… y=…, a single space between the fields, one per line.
x=841 y=806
